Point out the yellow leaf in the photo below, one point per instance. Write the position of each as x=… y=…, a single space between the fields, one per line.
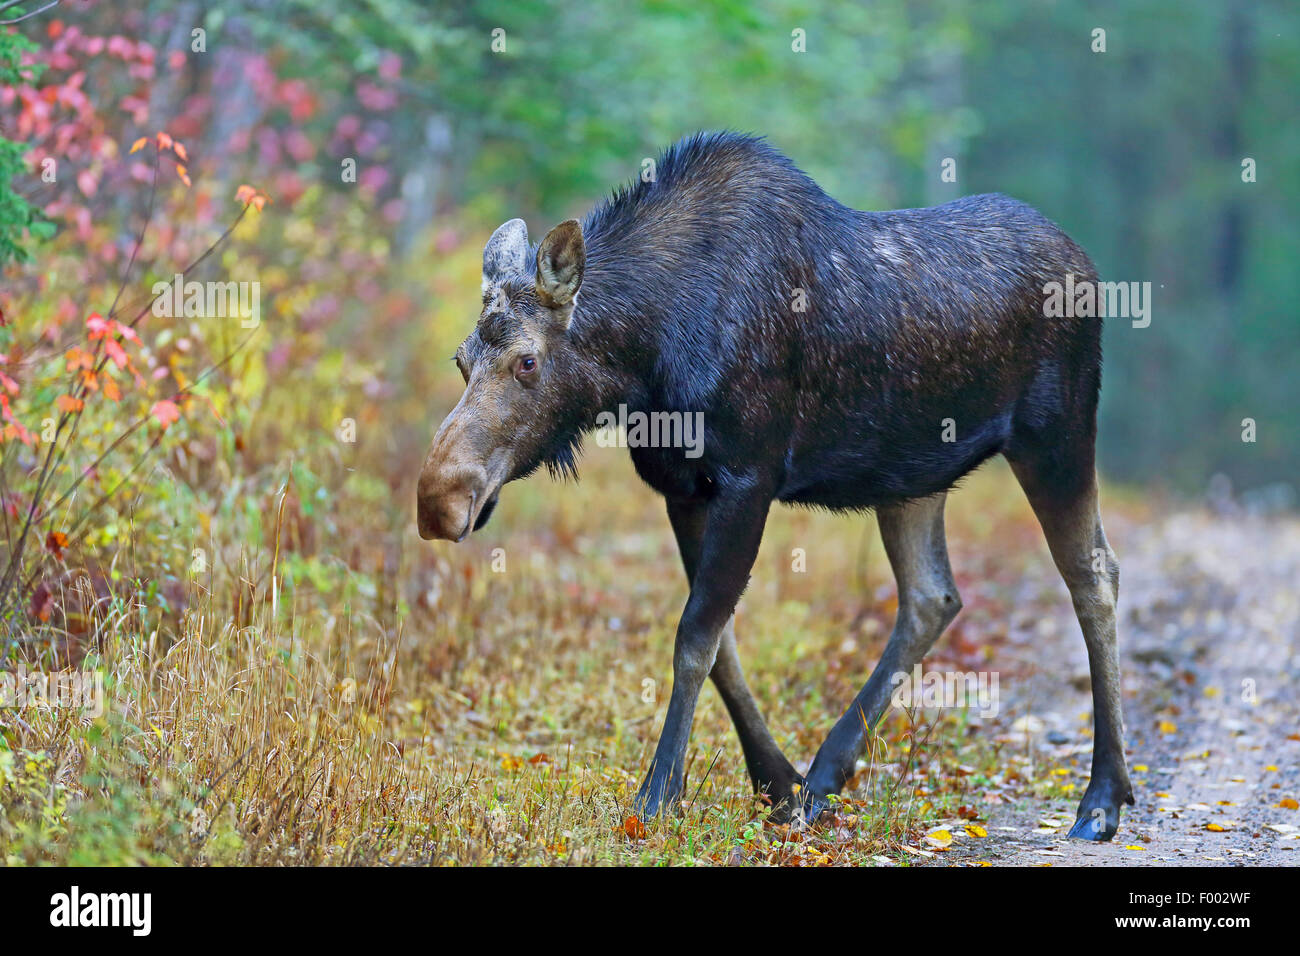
x=976 y=831
x=1168 y=727
x=939 y=838
x=1286 y=803
x=139 y=144
x=1134 y=846
x=1215 y=828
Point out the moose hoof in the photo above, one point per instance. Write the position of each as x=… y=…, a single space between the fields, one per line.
x=1098 y=817
x=784 y=800
x=810 y=806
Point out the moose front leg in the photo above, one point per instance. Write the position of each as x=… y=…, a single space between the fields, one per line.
x=770 y=772
x=732 y=532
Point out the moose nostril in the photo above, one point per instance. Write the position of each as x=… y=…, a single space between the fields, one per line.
x=446 y=503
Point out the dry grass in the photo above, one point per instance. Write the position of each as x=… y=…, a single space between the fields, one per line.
x=493 y=716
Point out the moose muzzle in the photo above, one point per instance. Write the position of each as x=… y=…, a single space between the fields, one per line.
x=456 y=490
x=449 y=501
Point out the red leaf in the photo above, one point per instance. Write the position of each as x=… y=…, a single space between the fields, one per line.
x=115 y=352
x=55 y=543
x=42 y=603
x=166 y=411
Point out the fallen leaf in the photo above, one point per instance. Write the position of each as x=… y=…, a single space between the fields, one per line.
x=939 y=838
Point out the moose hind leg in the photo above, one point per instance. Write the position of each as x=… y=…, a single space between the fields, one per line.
x=769 y=770
x=914 y=541
x=1072 y=525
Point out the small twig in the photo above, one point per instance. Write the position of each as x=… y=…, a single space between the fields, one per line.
x=25 y=16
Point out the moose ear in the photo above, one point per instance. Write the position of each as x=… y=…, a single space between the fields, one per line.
x=560 y=261
x=506 y=252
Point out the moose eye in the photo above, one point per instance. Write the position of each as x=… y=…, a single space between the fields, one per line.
x=525 y=366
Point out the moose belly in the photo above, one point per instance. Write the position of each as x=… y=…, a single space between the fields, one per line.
x=862 y=469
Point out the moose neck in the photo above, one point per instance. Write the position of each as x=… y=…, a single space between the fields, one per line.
x=615 y=332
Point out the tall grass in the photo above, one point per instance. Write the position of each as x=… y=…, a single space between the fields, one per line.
x=464 y=715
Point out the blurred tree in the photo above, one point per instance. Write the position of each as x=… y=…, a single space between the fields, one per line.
x=458 y=115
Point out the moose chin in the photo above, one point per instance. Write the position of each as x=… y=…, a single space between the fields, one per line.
x=839 y=359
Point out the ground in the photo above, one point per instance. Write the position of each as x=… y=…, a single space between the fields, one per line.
x=1210 y=636
x=498 y=701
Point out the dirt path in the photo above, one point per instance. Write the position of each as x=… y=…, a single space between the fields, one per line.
x=1210 y=649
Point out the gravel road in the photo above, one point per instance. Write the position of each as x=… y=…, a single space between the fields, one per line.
x=1210 y=646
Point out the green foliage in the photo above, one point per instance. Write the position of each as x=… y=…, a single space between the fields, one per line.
x=16 y=214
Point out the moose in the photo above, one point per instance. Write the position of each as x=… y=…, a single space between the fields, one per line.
x=841 y=359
